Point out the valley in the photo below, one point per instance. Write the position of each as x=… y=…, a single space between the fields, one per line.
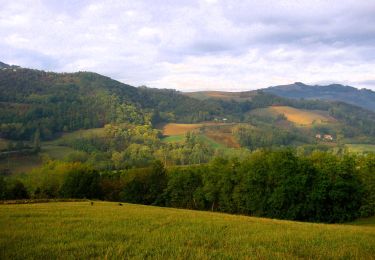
x=84 y=135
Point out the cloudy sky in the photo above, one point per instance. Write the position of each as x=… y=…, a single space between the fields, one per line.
x=195 y=45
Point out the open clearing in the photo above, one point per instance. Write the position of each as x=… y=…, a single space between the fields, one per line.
x=66 y=230
x=300 y=116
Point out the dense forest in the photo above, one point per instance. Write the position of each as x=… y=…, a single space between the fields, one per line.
x=321 y=187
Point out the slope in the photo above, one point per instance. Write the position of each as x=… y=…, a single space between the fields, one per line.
x=109 y=230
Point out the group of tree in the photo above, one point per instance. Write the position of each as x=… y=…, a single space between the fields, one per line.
x=320 y=187
x=130 y=146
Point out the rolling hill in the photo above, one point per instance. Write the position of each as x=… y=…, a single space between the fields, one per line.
x=43 y=105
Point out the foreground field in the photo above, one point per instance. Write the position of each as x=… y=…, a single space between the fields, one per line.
x=107 y=230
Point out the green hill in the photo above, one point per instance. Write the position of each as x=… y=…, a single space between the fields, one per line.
x=108 y=230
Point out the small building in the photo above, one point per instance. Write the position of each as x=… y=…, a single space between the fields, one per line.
x=318 y=136
x=328 y=137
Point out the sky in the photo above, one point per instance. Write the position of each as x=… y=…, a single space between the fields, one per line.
x=195 y=45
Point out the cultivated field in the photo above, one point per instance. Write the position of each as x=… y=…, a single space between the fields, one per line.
x=219 y=135
x=179 y=129
x=67 y=230
x=300 y=116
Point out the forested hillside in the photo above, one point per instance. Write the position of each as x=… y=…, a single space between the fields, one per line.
x=49 y=102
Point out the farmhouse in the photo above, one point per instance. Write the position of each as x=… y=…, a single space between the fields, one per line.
x=325 y=137
x=328 y=137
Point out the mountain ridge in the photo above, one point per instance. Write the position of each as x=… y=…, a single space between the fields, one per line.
x=335 y=92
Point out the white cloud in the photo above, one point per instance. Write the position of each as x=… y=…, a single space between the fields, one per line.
x=190 y=45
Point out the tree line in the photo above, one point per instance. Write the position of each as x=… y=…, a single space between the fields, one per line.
x=320 y=187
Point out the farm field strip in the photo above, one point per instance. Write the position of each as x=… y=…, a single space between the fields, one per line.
x=300 y=116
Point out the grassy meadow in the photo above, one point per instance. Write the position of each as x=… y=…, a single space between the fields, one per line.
x=67 y=230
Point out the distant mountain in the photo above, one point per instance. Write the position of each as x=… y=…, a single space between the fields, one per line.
x=3 y=65
x=360 y=97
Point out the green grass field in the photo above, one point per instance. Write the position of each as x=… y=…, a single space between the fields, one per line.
x=66 y=137
x=67 y=230
x=204 y=138
x=56 y=152
x=174 y=138
x=360 y=148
